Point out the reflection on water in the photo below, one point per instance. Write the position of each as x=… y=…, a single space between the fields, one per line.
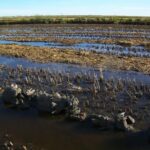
x=101 y=48
x=75 y=69
x=56 y=133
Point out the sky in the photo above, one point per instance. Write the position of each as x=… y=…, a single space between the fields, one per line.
x=74 y=7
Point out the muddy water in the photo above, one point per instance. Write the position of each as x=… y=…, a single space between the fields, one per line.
x=100 y=48
x=46 y=133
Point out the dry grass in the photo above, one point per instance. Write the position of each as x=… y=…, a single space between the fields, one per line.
x=124 y=42
x=77 y=57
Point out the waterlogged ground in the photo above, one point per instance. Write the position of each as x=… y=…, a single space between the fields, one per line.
x=45 y=132
x=109 y=39
x=70 y=56
x=100 y=48
x=124 y=91
x=45 y=58
x=71 y=34
x=63 y=68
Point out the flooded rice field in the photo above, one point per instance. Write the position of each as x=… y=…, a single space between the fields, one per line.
x=53 y=105
x=117 y=40
x=76 y=31
x=71 y=69
x=113 y=49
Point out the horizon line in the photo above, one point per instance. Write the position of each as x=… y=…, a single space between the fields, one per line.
x=65 y=15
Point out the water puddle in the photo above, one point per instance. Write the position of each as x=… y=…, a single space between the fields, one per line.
x=100 y=48
x=75 y=69
x=114 y=49
x=54 y=133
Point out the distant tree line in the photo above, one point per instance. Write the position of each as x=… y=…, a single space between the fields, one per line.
x=75 y=20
